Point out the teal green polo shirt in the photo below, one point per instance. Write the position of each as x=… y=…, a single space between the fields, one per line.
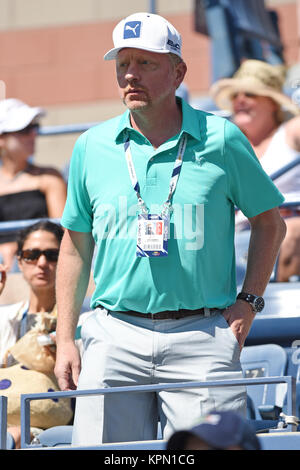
x=219 y=171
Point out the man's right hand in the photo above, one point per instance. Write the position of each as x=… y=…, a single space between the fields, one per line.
x=67 y=366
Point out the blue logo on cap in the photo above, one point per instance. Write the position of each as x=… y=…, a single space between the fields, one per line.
x=132 y=29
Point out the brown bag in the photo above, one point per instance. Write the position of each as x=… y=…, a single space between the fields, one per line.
x=17 y=380
x=27 y=350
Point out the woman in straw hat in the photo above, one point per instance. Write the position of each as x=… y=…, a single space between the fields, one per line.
x=271 y=122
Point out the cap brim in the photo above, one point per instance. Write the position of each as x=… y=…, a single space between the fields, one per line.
x=113 y=53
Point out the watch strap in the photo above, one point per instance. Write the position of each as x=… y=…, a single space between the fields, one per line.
x=247 y=297
x=257 y=303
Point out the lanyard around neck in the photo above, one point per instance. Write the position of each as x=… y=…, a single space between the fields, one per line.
x=173 y=181
x=23 y=325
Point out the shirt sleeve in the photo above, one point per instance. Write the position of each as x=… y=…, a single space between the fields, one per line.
x=249 y=186
x=78 y=215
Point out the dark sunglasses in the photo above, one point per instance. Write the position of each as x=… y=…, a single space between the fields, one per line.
x=33 y=255
x=29 y=128
x=26 y=130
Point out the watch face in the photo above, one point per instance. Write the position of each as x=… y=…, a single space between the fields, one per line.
x=259 y=304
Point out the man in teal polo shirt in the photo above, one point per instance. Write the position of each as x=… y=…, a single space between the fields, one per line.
x=155 y=190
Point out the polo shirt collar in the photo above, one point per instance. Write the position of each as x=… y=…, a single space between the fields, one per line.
x=124 y=125
x=191 y=123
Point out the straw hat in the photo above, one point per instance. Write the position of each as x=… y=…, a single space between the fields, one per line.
x=257 y=77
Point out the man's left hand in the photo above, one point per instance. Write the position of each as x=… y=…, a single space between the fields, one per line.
x=239 y=317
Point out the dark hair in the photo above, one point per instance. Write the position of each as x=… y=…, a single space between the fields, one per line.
x=45 y=225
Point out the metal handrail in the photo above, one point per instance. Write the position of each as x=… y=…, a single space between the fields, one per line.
x=27 y=398
x=20 y=224
x=66 y=128
x=3 y=421
x=289 y=166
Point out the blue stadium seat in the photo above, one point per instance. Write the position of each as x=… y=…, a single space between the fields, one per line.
x=62 y=436
x=280 y=441
x=293 y=369
x=267 y=360
x=10 y=443
x=55 y=437
x=263 y=425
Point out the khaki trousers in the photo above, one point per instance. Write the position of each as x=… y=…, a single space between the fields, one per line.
x=123 y=350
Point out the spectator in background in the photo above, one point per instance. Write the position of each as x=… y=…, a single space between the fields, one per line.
x=27 y=191
x=224 y=430
x=258 y=105
x=38 y=247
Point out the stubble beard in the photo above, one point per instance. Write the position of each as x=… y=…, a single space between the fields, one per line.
x=136 y=105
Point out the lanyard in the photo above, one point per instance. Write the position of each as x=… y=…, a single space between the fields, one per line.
x=23 y=325
x=173 y=181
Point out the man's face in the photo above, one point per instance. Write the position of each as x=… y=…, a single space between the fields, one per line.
x=146 y=79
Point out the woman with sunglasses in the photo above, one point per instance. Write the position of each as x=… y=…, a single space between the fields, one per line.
x=27 y=191
x=38 y=248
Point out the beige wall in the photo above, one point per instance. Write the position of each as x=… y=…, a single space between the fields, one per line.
x=276 y=3
x=20 y=14
x=51 y=55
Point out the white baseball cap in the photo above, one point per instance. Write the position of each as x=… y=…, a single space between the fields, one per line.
x=145 y=31
x=16 y=115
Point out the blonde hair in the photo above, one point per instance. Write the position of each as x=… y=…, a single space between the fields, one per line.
x=174 y=59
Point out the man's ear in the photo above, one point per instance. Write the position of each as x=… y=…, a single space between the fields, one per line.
x=181 y=70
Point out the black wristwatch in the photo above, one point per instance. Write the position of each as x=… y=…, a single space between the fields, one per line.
x=257 y=303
